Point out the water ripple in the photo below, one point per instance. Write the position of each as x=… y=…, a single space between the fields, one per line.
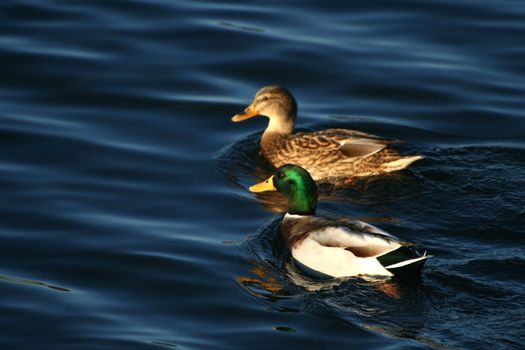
x=125 y=183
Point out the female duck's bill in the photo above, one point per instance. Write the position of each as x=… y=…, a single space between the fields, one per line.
x=248 y=113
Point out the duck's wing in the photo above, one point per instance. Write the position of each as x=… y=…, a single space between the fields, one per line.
x=324 y=244
x=339 y=232
x=347 y=133
x=341 y=142
x=360 y=148
x=364 y=241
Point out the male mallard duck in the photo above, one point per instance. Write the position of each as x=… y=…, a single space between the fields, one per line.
x=336 y=247
x=325 y=154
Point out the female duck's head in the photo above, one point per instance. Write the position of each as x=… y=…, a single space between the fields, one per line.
x=296 y=184
x=276 y=103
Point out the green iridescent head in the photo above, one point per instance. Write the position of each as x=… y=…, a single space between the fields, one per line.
x=296 y=184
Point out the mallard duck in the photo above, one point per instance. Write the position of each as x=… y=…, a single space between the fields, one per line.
x=331 y=153
x=335 y=247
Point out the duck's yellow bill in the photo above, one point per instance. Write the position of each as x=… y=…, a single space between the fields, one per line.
x=248 y=113
x=264 y=186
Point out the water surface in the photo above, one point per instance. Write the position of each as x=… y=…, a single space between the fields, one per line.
x=126 y=223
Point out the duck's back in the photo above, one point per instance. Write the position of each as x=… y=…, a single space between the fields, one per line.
x=330 y=153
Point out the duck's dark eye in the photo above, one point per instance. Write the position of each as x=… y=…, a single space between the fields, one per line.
x=280 y=175
x=264 y=98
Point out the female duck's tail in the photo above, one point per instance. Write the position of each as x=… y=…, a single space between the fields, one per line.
x=400 y=163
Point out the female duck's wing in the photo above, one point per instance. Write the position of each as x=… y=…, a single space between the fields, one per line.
x=360 y=148
x=347 y=133
x=341 y=142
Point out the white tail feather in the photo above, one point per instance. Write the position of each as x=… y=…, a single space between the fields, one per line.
x=401 y=163
x=408 y=262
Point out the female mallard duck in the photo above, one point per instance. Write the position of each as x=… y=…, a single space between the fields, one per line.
x=325 y=154
x=325 y=246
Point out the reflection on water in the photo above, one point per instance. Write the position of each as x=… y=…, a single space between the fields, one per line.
x=263 y=285
x=32 y=283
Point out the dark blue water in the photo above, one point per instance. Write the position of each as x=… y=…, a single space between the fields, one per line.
x=125 y=219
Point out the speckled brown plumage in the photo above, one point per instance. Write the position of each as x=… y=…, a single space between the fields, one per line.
x=331 y=153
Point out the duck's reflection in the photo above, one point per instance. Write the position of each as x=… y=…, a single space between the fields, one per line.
x=264 y=282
